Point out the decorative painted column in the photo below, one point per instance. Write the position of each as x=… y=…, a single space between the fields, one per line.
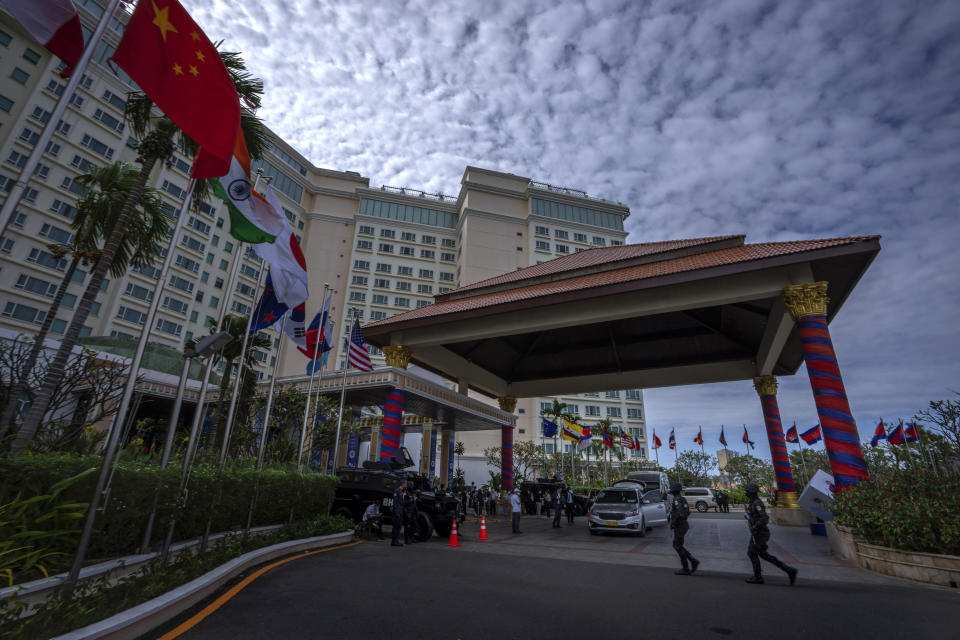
x=425 y=441
x=396 y=356
x=807 y=304
x=509 y=404
x=766 y=387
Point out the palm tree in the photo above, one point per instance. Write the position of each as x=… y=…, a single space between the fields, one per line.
x=555 y=413
x=159 y=137
x=235 y=326
x=106 y=189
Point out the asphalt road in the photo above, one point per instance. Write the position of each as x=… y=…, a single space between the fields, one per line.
x=489 y=590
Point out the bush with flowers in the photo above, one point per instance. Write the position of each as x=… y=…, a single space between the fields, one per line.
x=909 y=510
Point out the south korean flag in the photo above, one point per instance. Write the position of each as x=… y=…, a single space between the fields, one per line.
x=295 y=325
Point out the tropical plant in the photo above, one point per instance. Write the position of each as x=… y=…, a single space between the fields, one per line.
x=744 y=469
x=105 y=191
x=159 y=136
x=527 y=456
x=459 y=450
x=555 y=412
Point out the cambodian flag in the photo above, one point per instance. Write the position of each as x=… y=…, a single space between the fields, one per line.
x=896 y=436
x=746 y=438
x=699 y=438
x=791 y=436
x=878 y=434
x=723 y=438
x=912 y=432
x=672 y=441
x=812 y=435
x=607 y=439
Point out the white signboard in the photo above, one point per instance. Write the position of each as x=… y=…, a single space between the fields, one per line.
x=817 y=495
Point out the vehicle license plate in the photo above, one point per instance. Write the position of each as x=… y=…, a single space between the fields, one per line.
x=611 y=523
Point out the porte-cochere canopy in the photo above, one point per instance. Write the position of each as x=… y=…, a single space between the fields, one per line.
x=633 y=316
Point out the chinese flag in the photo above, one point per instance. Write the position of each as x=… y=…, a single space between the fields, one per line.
x=170 y=57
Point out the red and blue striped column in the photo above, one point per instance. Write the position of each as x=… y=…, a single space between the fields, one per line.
x=766 y=387
x=509 y=404
x=807 y=304
x=392 y=425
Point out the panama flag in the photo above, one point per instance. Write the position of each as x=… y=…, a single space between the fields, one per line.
x=53 y=23
x=880 y=433
x=792 y=436
x=723 y=438
x=812 y=435
x=746 y=438
x=911 y=433
x=699 y=438
x=656 y=441
x=672 y=441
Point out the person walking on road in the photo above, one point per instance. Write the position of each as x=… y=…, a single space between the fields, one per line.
x=410 y=517
x=758 y=519
x=494 y=496
x=569 y=505
x=538 y=502
x=396 y=513
x=515 y=511
x=557 y=501
x=679 y=512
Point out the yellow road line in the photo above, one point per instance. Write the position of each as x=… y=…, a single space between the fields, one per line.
x=235 y=589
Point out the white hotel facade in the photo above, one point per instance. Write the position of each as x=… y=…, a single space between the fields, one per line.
x=384 y=250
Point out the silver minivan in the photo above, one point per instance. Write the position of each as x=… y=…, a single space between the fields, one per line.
x=625 y=508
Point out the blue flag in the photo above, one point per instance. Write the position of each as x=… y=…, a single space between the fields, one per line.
x=269 y=310
x=549 y=428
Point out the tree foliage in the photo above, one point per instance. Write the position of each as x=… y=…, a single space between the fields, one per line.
x=692 y=468
x=744 y=469
x=527 y=456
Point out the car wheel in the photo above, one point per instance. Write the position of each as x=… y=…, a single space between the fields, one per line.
x=702 y=507
x=424 y=526
x=643 y=529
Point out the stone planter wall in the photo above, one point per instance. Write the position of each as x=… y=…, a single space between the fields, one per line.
x=843 y=543
x=934 y=568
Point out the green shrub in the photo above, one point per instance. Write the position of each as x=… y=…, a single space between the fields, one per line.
x=283 y=495
x=909 y=510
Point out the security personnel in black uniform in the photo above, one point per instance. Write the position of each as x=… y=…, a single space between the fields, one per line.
x=679 y=512
x=396 y=513
x=757 y=518
x=410 y=516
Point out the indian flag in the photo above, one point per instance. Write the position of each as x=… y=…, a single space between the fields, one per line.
x=259 y=220
x=252 y=219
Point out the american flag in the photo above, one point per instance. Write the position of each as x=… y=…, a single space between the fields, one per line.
x=357 y=355
x=627 y=441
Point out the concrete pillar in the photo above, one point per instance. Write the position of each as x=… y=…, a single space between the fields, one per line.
x=807 y=304
x=509 y=404
x=375 y=433
x=766 y=387
x=446 y=456
x=425 y=448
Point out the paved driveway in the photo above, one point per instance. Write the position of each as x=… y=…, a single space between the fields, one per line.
x=567 y=584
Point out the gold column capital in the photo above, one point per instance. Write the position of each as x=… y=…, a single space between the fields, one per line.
x=806 y=299
x=507 y=403
x=397 y=355
x=765 y=385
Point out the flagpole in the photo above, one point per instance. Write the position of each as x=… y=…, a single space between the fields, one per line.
x=235 y=395
x=273 y=382
x=906 y=444
x=26 y=172
x=656 y=449
x=316 y=401
x=343 y=386
x=114 y=432
x=746 y=445
x=313 y=374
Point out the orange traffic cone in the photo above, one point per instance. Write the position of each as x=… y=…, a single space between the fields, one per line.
x=453 y=535
x=483 y=528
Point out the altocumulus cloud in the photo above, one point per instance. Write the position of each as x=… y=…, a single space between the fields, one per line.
x=781 y=120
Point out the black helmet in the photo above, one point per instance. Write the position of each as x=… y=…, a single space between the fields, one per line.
x=676 y=488
x=751 y=489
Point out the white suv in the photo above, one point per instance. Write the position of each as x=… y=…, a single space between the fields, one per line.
x=700 y=498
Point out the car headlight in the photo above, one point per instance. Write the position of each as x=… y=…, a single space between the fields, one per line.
x=635 y=512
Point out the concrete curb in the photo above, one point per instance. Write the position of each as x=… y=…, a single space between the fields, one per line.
x=138 y=620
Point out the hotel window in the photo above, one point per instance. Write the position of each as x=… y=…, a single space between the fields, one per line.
x=385 y=248
x=448 y=243
x=408 y=236
x=613 y=412
x=422 y=303
x=561 y=234
x=383 y=267
x=364 y=244
x=428 y=254
x=404 y=271
x=24 y=313
x=404 y=286
x=365 y=230
x=427 y=274
x=573 y=408
x=448 y=257
x=542 y=246
x=591 y=410
x=562 y=248
x=616 y=243
x=19 y=75
x=401 y=302
x=388 y=233
x=542 y=231
x=358 y=296
x=597 y=240
x=361 y=265
x=381 y=283
x=379 y=298
x=612 y=394
x=378 y=315
x=446 y=276
x=634 y=414
x=360 y=281
x=428 y=239
x=426 y=289
x=406 y=251
x=579 y=237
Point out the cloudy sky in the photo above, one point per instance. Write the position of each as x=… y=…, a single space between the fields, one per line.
x=781 y=120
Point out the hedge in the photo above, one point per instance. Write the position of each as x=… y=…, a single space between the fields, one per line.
x=909 y=510
x=282 y=495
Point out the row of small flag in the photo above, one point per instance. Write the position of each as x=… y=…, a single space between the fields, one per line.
x=698 y=439
x=583 y=436
x=901 y=433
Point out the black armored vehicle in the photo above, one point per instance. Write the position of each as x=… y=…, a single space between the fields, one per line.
x=376 y=481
